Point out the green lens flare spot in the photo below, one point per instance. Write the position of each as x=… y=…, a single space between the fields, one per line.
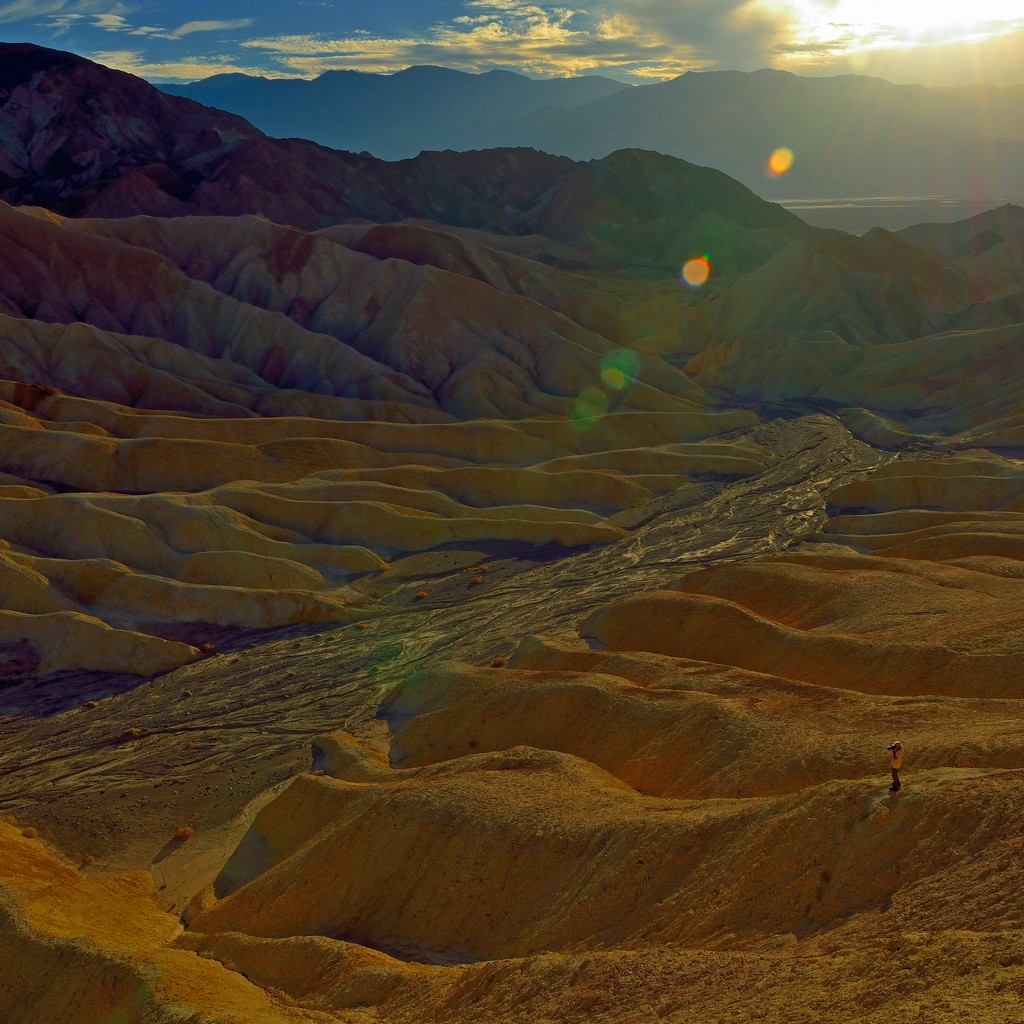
x=591 y=405
x=618 y=369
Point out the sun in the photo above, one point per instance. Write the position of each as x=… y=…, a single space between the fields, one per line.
x=851 y=24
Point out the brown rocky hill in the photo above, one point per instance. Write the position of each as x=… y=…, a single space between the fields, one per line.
x=132 y=150
x=70 y=129
x=284 y=394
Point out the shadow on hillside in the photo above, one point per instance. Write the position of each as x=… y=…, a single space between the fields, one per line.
x=25 y=692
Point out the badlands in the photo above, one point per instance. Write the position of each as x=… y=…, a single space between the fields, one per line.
x=421 y=603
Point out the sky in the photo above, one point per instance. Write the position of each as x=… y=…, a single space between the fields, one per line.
x=931 y=42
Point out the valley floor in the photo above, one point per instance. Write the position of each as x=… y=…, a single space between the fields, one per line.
x=858 y=214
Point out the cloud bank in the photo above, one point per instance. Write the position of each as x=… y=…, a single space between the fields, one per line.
x=642 y=38
x=905 y=40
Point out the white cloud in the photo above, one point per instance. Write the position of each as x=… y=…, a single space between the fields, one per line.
x=110 y=22
x=616 y=26
x=59 y=14
x=994 y=59
x=512 y=6
x=118 y=23
x=187 y=70
x=642 y=39
x=499 y=33
x=61 y=23
x=100 y=14
x=20 y=10
x=209 y=26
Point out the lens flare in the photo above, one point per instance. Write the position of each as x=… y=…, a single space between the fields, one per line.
x=612 y=377
x=618 y=369
x=591 y=405
x=780 y=162
x=696 y=271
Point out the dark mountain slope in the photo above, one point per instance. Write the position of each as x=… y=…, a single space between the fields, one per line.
x=969 y=237
x=851 y=135
x=70 y=129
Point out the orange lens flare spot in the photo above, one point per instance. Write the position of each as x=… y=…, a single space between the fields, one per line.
x=696 y=271
x=780 y=162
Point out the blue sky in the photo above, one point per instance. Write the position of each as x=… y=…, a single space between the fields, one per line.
x=927 y=41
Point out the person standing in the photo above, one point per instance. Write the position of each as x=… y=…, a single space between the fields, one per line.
x=896 y=762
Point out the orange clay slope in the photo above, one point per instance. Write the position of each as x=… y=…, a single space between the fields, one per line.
x=77 y=949
x=627 y=822
x=683 y=793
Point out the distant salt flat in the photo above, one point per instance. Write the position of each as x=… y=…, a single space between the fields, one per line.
x=858 y=214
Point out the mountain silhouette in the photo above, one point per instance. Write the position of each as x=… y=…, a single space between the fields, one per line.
x=394 y=116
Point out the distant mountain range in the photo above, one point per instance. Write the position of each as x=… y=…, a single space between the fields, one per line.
x=852 y=135
x=396 y=116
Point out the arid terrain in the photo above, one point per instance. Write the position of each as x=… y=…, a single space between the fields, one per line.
x=482 y=587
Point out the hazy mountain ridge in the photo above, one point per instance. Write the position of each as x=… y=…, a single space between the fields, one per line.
x=393 y=116
x=853 y=136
